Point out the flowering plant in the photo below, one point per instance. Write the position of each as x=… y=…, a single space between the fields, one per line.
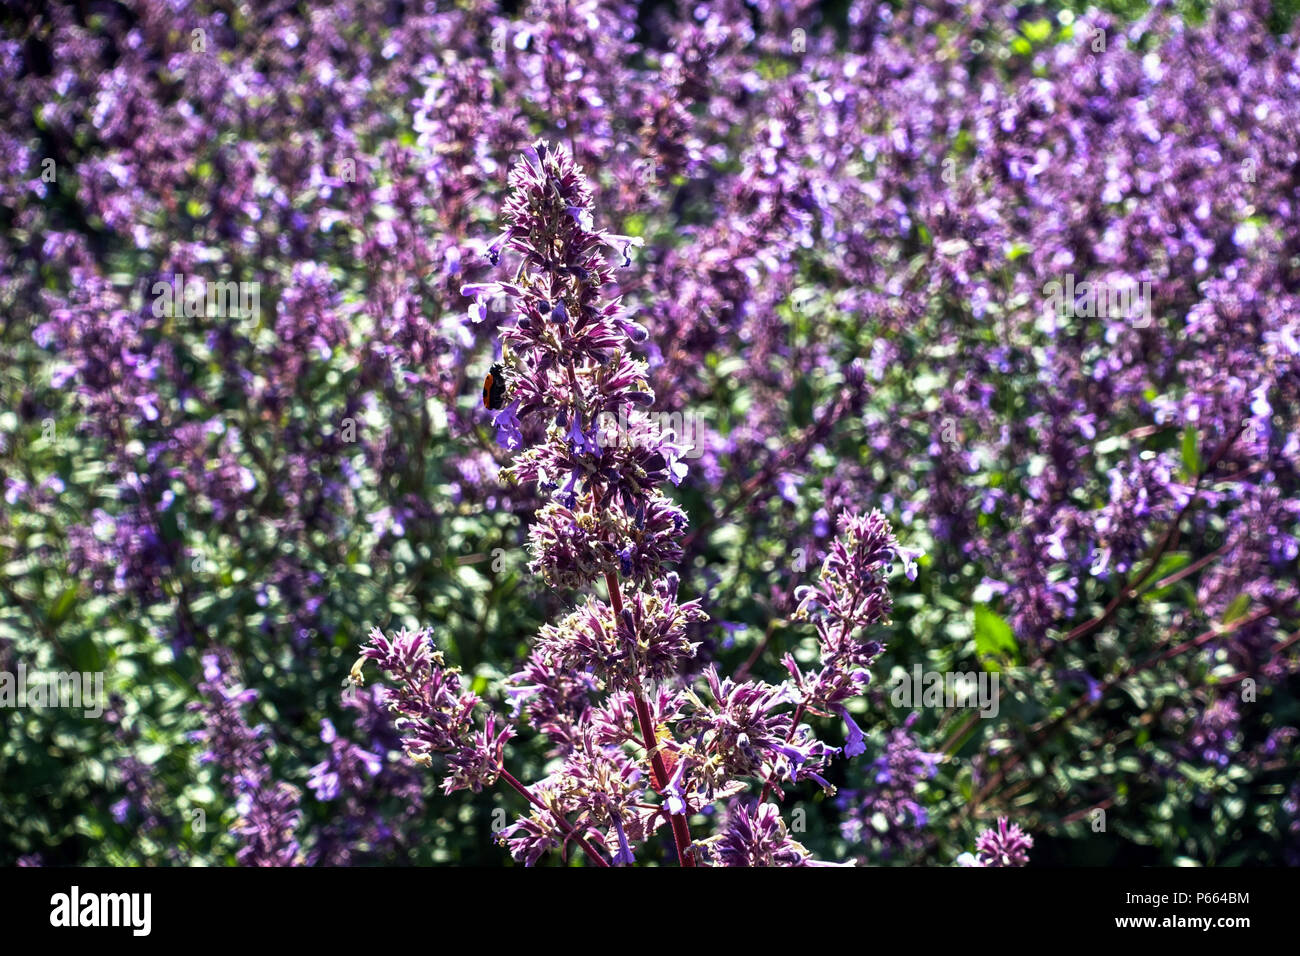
x=1014 y=279
x=641 y=738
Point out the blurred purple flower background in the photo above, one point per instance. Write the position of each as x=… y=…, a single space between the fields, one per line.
x=835 y=340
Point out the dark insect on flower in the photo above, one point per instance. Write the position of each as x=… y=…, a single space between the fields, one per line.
x=494 y=387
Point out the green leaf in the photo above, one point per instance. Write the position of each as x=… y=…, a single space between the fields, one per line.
x=994 y=642
x=1191 y=453
x=1170 y=563
x=1237 y=609
x=64 y=604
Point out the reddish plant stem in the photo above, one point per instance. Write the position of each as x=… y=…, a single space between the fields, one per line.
x=953 y=742
x=1084 y=811
x=1190 y=569
x=681 y=830
x=743 y=670
x=565 y=825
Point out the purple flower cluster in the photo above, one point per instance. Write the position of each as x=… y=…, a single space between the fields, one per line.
x=145 y=804
x=1004 y=845
x=610 y=683
x=755 y=836
x=267 y=810
x=888 y=814
x=357 y=783
x=851 y=594
x=433 y=711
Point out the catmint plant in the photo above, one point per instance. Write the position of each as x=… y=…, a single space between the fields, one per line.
x=847 y=247
x=638 y=743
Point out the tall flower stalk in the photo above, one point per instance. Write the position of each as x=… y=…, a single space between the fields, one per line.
x=638 y=744
x=570 y=370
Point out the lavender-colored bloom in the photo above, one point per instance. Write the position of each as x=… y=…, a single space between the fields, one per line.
x=572 y=544
x=851 y=594
x=674 y=796
x=433 y=711
x=648 y=639
x=624 y=856
x=347 y=765
x=268 y=810
x=506 y=423
x=1215 y=732
x=601 y=786
x=1005 y=845
x=376 y=794
x=755 y=835
x=889 y=813
x=855 y=742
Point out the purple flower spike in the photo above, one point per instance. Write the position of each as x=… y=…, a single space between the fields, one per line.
x=1005 y=845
